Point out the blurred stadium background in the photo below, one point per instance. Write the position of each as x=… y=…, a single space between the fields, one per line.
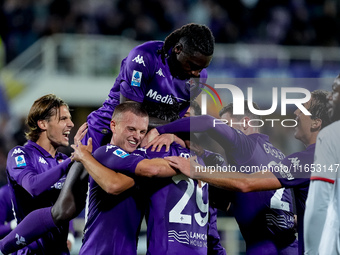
x=73 y=48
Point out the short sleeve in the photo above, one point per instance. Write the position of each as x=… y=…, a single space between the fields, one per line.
x=293 y=171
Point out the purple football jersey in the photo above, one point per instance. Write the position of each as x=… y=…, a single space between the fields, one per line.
x=144 y=77
x=42 y=190
x=178 y=211
x=113 y=221
x=295 y=171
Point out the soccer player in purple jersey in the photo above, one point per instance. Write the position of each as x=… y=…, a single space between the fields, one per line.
x=37 y=171
x=129 y=125
x=115 y=204
x=158 y=74
x=292 y=172
x=265 y=218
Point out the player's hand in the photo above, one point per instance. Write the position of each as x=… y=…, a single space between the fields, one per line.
x=81 y=150
x=188 y=166
x=180 y=163
x=80 y=133
x=152 y=134
x=160 y=141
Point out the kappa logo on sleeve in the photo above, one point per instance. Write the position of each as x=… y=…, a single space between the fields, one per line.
x=20 y=161
x=120 y=153
x=136 y=78
x=17 y=151
x=139 y=60
x=109 y=147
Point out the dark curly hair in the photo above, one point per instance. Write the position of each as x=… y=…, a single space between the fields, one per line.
x=319 y=107
x=197 y=38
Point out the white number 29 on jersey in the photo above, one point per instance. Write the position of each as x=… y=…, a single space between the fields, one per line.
x=176 y=215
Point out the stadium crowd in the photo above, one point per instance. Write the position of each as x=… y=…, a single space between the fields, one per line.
x=286 y=22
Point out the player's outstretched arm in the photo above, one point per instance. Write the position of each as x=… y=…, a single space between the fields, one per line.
x=37 y=183
x=156 y=167
x=226 y=180
x=112 y=182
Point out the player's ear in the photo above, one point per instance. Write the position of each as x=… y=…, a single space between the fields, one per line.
x=42 y=124
x=178 y=48
x=113 y=125
x=245 y=120
x=316 y=124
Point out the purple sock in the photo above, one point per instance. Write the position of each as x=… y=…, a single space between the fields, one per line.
x=31 y=228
